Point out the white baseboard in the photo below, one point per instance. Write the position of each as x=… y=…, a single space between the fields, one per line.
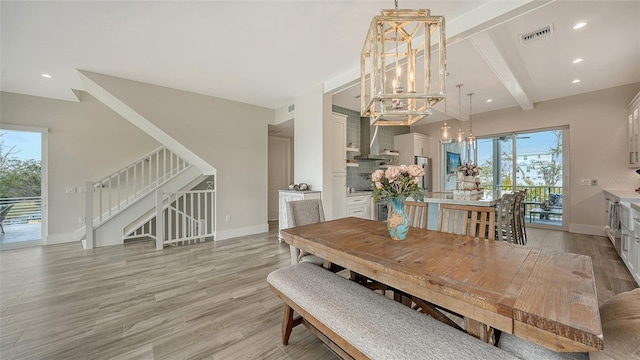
x=60 y=238
x=587 y=229
x=244 y=231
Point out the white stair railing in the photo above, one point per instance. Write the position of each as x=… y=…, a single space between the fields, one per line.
x=146 y=229
x=188 y=217
x=124 y=187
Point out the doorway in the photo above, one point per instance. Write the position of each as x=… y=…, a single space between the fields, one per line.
x=23 y=186
x=279 y=172
x=534 y=161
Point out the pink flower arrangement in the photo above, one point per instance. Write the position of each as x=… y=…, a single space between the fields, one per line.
x=398 y=181
x=469 y=169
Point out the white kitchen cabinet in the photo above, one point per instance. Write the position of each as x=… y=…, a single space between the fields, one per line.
x=631 y=256
x=285 y=196
x=636 y=260
x=411 y=145
x=338 y=193
x=359 y=206
x=338 y=143
x=633 y=121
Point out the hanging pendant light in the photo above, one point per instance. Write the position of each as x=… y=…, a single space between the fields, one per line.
x=400 y=38
x=460 y=135
x=445 y=136
x=471 y=139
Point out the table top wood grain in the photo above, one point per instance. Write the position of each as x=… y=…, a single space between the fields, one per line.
x=547 y=297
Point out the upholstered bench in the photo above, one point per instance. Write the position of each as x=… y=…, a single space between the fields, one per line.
x=620 y=318
x=358 y=323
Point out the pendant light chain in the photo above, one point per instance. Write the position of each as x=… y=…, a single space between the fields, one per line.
x=460 y=135
x=471 y=139
x=446 y=136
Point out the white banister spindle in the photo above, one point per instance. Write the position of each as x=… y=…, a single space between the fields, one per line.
x=88 y=219
x=159 y=221
x=170 y=218
x=183 y=233
x=171 y=165
x=100 y=202
x=118 y=192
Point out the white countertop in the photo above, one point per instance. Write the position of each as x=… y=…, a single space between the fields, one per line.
x=489 y=198
x=623 y=195
x=360 y=193
x=299 y=191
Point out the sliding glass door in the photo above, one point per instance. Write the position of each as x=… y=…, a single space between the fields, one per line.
x=531 y=160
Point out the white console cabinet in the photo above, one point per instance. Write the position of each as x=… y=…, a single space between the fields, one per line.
x=285 y=196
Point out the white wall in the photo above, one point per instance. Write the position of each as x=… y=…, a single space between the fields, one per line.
x=228 y=135
x=312 y=145
x=307 y=133
x=86 y=141
x=598 y=145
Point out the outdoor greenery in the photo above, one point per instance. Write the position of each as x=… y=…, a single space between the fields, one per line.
x=18 y=178
x=549 y=170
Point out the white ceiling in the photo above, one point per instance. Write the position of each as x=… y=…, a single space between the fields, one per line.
x=268 y=52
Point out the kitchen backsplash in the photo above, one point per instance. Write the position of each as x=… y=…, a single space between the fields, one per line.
x=359 y=177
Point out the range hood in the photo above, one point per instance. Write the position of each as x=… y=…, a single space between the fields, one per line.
x=369 y=142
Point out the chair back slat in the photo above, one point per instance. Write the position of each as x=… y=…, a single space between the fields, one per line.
x=418 y=213
x=477 y=221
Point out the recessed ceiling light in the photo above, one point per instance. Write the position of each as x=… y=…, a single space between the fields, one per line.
x=46 y=76
x=579 y=25
x=489 y=100
x=575 y=81
x=578 y=60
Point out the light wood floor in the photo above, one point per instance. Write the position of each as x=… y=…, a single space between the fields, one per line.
x=204 y=301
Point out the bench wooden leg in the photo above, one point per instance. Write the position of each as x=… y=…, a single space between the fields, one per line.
x=288 y=323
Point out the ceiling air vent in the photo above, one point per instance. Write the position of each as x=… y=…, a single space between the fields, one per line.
x=292 y=107
x=536 y=34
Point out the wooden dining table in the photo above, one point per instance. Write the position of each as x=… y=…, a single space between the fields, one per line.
x=546 y=297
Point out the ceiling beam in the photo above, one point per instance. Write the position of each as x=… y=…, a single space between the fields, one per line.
x=481 y=19
x=487 y=48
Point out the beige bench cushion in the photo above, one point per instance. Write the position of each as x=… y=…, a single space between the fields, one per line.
x=620 y=318
x=379 y=327
x=527 y=350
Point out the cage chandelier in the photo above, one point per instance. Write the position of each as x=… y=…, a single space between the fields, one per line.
x=397 y=87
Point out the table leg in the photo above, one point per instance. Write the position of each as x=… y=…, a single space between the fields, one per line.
x=431 y=310
x=480 y=331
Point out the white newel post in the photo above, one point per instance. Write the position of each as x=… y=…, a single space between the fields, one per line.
x=88 y=218
x=159 y=221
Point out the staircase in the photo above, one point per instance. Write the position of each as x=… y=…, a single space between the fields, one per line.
x=125 y=196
